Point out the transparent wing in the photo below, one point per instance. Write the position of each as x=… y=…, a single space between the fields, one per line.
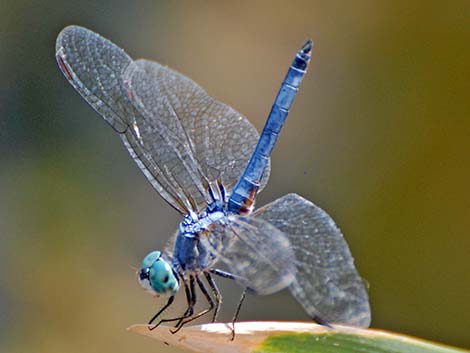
x=181 y=138
x=253 y=250
x=94 y=66
x=210 y=140
x=327 y=283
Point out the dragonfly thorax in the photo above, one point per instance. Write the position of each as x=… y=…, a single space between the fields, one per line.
x=195 y=223
x=188 y=253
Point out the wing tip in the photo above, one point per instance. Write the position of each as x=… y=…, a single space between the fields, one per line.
x=67 y=32
x=61 y=37
x=320 y=321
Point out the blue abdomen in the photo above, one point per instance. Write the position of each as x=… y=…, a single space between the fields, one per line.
x=243 y=195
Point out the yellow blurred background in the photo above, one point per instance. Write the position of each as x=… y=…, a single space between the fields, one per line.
x=378 y=137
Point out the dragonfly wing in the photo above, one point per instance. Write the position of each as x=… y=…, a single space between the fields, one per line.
x=94 y=67
x=217 y=140
x=327 y=283
x=253 y=250
x=160 y=135
x=84 y=58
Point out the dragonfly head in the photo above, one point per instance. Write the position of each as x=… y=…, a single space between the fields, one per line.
x=156 y=275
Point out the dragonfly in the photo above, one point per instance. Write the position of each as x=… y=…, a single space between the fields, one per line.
x=209 y=163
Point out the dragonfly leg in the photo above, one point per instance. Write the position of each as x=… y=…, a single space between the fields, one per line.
x=190 y=299
x=216 y=293
x=224 y=274
x=228 y=275
x=203 y=312
x=170 y=301
x=235 y=316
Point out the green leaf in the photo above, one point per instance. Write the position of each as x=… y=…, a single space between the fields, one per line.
x=346 y=343
x=290 y=337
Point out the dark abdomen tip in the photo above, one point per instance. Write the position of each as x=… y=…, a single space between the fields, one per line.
x=307 y=47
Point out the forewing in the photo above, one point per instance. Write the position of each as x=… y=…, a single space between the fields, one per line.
x=253 y=250
x=327 y=283
x=94 y=67
x=212 y=141
x=181 y=139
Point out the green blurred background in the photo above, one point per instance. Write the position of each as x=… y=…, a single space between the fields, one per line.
x=378 y=136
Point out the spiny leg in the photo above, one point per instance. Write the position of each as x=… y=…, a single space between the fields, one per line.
x=190 y=298
x=224 y=274
x=203 y=312
x=216 y=293
x=170 y=301
x=228 y=275
x=235 y=316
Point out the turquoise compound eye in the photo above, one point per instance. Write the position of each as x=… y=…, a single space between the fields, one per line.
x=156 y=275
x=150 y=259
x=162 y=279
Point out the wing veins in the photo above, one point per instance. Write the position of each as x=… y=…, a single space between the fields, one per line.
x=191 y=152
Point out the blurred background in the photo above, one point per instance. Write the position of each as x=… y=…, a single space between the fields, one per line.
x=378 y=137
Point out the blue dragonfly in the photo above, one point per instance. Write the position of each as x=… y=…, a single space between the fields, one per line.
x=208 y=162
